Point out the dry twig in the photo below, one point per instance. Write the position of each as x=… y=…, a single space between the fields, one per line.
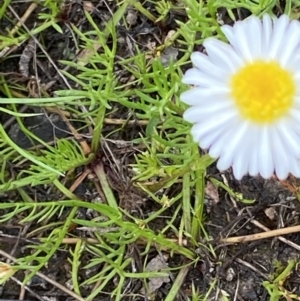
x=262 y=235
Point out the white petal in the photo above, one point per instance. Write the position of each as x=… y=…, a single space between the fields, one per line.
x=254 y=36
x=228 y=32
x=254 y=143
x=295 y=113
x=294 y=63
x=196 y=131
x=196 y=77
x=253 y=163
x=267 y=27
x=251 y=30
x=202 y=62
x=297 y=77
x=279 y=31
x=296 y=106
x=234 y=140
x=223 y=55
x=296 y=101
x=211 y=124
x=216 y=108
x=207 y=140
x=217 y=147
x=265 y=155
x=295 y=167
x=289 y=138
x=200 y=96
x=291 y=43
x=230 y=35
x=240 y=33
x=241 y=160
x=280 y=155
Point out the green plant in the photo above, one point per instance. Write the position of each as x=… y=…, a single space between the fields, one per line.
x=276 y=288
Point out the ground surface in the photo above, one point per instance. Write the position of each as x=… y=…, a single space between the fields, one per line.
x=135 y=207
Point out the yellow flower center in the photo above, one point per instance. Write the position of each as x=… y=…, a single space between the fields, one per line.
x=263 y=91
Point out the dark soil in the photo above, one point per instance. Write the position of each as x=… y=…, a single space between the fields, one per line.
x=243 y=267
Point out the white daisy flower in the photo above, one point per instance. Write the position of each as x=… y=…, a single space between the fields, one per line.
x=245 y=103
